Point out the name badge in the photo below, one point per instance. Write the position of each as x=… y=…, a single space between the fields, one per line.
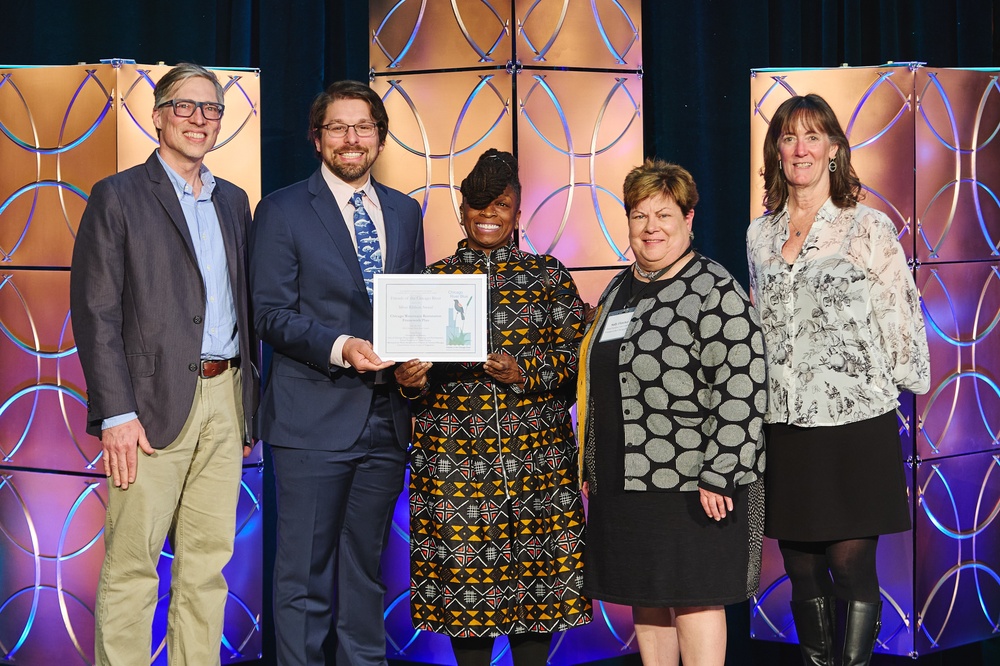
x=616 y=324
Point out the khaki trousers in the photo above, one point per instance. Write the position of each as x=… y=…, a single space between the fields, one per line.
x=186 y=492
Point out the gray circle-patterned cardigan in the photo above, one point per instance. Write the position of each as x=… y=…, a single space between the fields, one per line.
x=693 y=384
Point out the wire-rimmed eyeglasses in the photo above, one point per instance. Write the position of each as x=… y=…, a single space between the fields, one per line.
x=339 y=130
x=184 y=108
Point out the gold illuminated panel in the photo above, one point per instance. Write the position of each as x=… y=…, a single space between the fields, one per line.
x=65 y=128
x=589 y=35
x=418 y=35
x=439 y=124
x=558 y=84
x=422 y=35
x=58 y=140
x=574 y=151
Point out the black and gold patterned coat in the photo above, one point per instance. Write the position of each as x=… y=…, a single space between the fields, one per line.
x=496 y=519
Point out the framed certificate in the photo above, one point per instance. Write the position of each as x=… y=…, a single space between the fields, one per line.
x=430 y=317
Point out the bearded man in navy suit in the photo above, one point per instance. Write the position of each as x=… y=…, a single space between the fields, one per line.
x=336 y=426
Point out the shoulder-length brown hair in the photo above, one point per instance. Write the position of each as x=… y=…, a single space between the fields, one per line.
x=814 y=113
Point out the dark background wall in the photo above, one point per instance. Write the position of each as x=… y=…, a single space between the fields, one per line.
x=697 y=57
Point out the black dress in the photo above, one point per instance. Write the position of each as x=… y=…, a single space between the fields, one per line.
x=648 y=548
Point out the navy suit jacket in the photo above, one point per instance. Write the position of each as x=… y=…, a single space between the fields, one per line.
x=138 y=300
x=307 y=290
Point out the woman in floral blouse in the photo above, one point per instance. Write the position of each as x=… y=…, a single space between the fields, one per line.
x=844 y=335
x=496 y=517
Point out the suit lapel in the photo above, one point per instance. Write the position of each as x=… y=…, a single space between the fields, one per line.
x=326 y=209
x=165 y=193
x=390 y=247
x=228 y=225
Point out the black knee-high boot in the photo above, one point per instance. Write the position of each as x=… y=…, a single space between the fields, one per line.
x=814 y=622
x=858 y=623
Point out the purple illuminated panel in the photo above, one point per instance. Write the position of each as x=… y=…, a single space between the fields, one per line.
x=610 y=633
x=961 y=412
x=771 y=617
x=43 y=409
x=957 y=165
x=958 y=545
x=51 y=547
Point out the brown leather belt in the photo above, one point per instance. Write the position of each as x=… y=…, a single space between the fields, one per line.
x=213 y=368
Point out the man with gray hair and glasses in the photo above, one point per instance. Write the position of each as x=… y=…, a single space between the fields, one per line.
x=158 y=292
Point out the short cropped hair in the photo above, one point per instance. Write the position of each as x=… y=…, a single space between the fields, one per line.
x=347 y=89
x=657 y=176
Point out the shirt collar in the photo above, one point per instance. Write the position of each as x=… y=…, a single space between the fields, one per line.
x=343 y=192
x=828 y=212
x=499 y=254
x=183 y=187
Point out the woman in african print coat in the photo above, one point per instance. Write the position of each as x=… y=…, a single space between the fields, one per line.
x=496 y=517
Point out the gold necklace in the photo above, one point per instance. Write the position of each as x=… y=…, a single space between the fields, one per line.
x=793 y=226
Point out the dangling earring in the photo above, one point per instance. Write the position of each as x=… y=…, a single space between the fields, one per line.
x=691 y=235
x=833 y=167
x=779 y=165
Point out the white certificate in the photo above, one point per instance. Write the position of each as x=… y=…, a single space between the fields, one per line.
x=430 y=317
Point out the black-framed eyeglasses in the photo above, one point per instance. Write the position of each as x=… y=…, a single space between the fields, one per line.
x=184 y=108
x=339 y=130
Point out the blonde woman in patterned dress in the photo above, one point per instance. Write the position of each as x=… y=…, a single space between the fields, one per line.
x=671 y=400
x=496 y=518
x=844 y=335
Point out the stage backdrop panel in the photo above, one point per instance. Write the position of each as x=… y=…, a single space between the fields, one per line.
x=923 y=143
x=559 y=85
x=63 y=129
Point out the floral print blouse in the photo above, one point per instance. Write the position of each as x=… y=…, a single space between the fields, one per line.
x=843 y=330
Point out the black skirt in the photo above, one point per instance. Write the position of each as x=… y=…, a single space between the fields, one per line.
x=830 y=483
x=661 y=549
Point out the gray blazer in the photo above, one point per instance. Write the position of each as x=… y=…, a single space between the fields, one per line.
x=138 y=300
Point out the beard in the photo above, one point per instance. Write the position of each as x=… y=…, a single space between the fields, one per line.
x=349 y=173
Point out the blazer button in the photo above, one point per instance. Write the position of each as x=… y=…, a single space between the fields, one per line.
x=193 y=367
x=197 y=319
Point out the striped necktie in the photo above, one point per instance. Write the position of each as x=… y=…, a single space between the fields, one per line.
x=369 y=252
